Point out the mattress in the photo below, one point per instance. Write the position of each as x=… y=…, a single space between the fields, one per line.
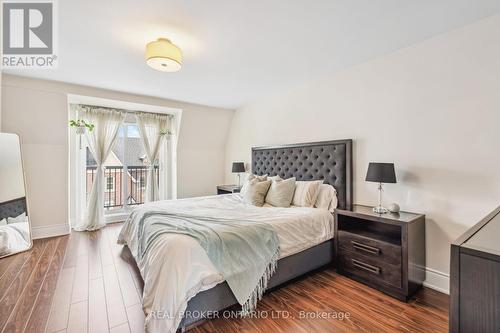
x=176 y=267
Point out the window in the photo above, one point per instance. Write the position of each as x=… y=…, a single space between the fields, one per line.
x=110 y=184
x=142 y=182
x=125 y=169
x=129 y=130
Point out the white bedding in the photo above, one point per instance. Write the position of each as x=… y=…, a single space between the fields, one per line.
x=14 y=238
x=176 y=267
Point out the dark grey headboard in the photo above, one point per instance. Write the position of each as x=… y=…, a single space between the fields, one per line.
x=12 y=208
x=328 y=160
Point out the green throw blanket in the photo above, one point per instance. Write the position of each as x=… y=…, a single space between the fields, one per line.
x=244 y=252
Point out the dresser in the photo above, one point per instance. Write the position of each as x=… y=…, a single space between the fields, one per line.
x=384 y=251
x=475 y=278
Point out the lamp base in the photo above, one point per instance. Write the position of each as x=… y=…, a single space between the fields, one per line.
x=380 y=210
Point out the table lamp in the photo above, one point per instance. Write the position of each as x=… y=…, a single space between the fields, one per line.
x=238 y=167
x=380 y=173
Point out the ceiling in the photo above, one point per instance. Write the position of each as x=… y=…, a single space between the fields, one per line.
x=236 y=51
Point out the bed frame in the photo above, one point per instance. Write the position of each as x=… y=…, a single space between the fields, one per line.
x=327 y=160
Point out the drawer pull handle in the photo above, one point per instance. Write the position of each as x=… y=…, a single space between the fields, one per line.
x=365 y=266
x=365 y=248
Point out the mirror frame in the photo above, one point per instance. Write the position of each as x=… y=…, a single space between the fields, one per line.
x=28 y=211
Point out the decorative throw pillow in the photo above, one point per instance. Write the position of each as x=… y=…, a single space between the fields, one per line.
x=251 y=177
x=255 y=192
x=327 y=197
x=306 y=193
x=280 y=193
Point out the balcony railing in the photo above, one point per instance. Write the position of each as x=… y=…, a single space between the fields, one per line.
x=132 y=177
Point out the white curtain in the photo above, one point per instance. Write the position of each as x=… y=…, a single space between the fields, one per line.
x=154 y=130
x=100 y=141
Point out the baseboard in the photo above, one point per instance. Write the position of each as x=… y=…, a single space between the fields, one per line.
x=50 y=230
x=437 y=280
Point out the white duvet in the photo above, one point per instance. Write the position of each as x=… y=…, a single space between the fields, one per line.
x=176 y=267
x=14 y=237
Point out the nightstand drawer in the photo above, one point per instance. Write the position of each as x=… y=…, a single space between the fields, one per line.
x=370 y=269
x=380 y=251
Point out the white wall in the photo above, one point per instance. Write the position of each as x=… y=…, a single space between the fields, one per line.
x=1 y=66
x=0 y=95
x=11 y=171
x=433 y=109
x=0 y=84
x=37 y=110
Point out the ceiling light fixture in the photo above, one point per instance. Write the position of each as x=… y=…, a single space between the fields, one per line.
x=163 y=56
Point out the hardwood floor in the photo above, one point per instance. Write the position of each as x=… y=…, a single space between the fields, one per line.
x=85 y=282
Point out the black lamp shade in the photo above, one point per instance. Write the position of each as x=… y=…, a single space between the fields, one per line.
x=381 y=173
x=238 y=167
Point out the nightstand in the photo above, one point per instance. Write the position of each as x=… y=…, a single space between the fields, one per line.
x=228 y=189
x=384 y=251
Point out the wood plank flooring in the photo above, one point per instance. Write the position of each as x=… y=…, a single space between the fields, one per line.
x=85 y=282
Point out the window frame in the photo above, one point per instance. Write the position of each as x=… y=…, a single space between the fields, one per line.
x=77 y=158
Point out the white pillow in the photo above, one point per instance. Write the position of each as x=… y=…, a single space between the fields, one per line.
x=260 y=178
x=327 y=197
x=306 y=193
x=3 y=222
x=255 y=192
x=251 y=177
x=17 y=219
x=280 y=193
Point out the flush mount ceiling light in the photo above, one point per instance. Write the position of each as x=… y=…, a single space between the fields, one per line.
x=163 y=56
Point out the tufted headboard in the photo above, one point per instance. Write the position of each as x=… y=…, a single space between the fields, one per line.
x=12 y=208
x=328 y=160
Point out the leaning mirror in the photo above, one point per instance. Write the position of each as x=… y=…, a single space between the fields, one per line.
x=15 y=231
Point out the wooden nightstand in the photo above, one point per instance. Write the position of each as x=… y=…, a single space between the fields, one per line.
x=228 y=189
x=384 y=251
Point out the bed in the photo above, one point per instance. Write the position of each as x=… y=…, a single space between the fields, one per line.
x=305 y=235
x=14 y=237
